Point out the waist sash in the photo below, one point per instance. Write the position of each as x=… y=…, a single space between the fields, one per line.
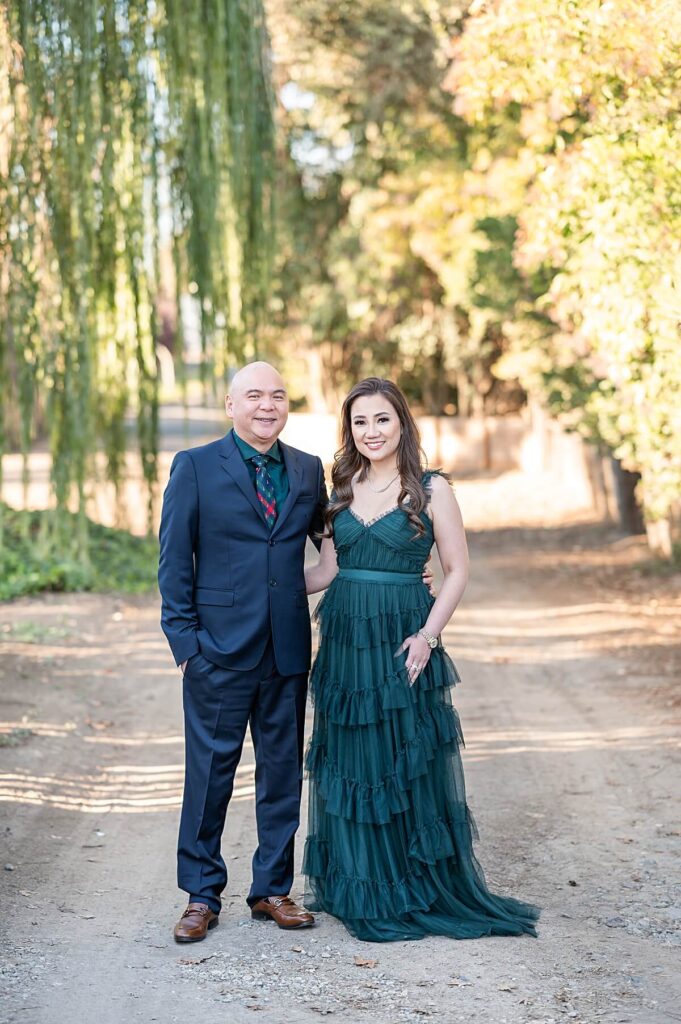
x=376 y=576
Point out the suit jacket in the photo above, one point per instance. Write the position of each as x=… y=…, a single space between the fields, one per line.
x=227 y=582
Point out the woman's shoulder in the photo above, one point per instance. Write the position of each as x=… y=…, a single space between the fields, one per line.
x=436 y=481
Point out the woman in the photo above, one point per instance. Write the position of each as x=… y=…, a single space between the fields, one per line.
x=389 y=848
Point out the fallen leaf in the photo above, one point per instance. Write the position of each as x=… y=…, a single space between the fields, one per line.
x=360 y=961
x=98 y=725
x=297 y=949
x=196 y=960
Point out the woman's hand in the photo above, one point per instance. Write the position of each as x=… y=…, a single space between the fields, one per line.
x=319 y=576
x=418 y=654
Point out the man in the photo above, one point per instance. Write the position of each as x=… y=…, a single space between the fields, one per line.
x=236 y=515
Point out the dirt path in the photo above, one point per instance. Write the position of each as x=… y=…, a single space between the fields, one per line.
x=571 y=722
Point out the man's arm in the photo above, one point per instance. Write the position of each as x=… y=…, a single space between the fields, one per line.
x=317 y=524
x=177 y=536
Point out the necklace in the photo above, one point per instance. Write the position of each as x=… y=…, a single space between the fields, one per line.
x=380 y=490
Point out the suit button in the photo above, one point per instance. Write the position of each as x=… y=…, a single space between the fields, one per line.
x=271 y=543
x=273 y=582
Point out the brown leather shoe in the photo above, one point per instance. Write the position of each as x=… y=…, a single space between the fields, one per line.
x=195 y=923
x=283 y=911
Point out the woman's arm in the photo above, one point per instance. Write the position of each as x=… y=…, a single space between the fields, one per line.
x=318 y=577
x=450 y=540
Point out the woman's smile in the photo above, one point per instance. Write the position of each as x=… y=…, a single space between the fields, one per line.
x=375 y=428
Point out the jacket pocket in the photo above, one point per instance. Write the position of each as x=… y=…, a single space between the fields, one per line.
x=206 y=595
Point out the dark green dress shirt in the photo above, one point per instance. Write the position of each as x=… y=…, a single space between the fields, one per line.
x=276 y=467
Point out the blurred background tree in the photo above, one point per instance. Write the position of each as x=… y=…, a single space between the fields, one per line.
x=595 y=91
x=394 y=258
x=486 y=204
x=479 y=200
x=134 y=133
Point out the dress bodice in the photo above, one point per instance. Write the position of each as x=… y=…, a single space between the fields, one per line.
x=386 y=543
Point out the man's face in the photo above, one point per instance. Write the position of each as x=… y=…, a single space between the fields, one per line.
x=258 y=405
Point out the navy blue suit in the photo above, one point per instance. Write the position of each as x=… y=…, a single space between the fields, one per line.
x=234 y=607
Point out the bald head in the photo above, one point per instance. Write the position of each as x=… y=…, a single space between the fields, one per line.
x=259 y=374
x=258 y=404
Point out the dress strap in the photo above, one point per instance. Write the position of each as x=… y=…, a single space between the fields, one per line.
x=428 y=475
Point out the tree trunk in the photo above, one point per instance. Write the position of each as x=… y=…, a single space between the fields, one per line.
x=628 y=509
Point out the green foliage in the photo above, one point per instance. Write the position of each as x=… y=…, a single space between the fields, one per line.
x=594 y=88
x=119 y=561
x=29 y=631
x=403 y=269
x=131 y=130
x=511 y=215
x=16 y=737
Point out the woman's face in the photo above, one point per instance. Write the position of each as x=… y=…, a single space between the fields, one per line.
x=375 y=428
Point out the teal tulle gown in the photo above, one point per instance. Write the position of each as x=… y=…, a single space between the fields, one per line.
x=389 y=846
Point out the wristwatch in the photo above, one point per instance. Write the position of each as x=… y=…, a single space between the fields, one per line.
x=431 y=640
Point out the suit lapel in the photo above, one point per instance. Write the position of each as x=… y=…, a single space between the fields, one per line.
x=235 y=467
x=295 y=479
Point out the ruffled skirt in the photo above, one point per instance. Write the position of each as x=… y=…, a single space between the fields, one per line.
x=389 y=846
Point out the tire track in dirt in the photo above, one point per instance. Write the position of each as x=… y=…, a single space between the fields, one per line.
x=570 y=766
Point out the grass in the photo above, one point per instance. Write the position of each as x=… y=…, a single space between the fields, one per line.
x=29 y=564
x=29 y=632
x=15 y=737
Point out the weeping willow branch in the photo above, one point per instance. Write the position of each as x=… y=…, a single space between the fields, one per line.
x=128 y=127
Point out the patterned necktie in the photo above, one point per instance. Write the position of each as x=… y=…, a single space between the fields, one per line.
x=265 y=489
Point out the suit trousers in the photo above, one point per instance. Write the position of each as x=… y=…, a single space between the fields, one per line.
x=219 y=704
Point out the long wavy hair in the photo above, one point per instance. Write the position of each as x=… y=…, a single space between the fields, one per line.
x=349 y=463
